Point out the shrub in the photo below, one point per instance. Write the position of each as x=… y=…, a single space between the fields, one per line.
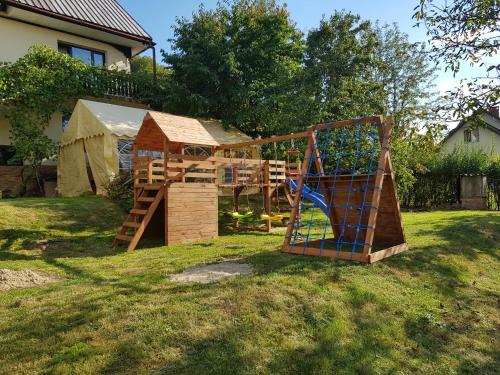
x=120 y=191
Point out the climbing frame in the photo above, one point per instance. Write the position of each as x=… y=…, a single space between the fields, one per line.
x=349 y=164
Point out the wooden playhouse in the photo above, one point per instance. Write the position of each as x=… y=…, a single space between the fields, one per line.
x=173 y=195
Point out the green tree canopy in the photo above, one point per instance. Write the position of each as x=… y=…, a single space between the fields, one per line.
x=339 y=61
x=466 y=32
x=235 y=63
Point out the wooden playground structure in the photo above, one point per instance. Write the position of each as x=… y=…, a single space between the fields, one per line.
x=346 y=172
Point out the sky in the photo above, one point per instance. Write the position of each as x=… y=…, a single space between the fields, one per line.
x=158 y=18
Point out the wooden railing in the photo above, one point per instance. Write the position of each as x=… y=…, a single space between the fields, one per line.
x=152 y=171
x=184 y=168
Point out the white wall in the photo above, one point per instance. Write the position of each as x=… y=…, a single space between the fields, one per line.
x=53 y=131
x=488 y=141
x=17 y=37
x=15 y=40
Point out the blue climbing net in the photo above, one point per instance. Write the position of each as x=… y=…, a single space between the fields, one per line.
x=338 y=194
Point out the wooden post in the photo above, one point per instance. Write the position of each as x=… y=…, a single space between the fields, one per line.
x=183 y=170
x=296 y=202
x=266 y=191
x=166 y=183
x=377 y=188
x=135 y=172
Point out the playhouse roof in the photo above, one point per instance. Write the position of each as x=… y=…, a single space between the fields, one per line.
x=158 y=126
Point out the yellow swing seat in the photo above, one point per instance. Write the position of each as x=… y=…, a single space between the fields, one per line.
x=266 y=217
x=237 y=215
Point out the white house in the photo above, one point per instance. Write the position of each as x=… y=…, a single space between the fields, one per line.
x=100 y=33
x=486 y=138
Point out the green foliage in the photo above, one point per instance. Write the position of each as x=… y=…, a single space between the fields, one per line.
x=339 y=60
x=235 y=63
x=434 y=180
x=143 y=65
x=493 y=170
x=459 y=162
x=120 y=191
x=45 y=81
x=406 y=75
x=156 y=93
x=32 y=89
x=466 y=31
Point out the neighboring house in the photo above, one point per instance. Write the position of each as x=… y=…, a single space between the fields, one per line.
x=99 y=32
x=486 y=137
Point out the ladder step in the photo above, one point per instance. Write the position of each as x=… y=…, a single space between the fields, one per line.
x=149 y=186
x=138 y=211
x=145 y=199
x=131 y=224
x=123 y=237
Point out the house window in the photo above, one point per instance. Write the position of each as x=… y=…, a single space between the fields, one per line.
x=197 y=150
x=471 y=135
x=86 y=55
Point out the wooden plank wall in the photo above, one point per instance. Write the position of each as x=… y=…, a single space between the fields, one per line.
x=192 y=212
x=389 y=230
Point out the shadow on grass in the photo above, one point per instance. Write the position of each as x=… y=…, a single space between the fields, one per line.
x=77 y=227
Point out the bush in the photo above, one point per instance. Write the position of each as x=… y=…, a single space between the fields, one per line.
x=438 y=181
x=120 y=190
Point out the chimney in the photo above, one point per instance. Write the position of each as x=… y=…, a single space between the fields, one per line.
x=494 y=111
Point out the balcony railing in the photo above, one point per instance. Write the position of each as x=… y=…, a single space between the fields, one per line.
x=112 y=83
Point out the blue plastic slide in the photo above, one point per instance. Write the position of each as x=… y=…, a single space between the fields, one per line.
x=316 y=198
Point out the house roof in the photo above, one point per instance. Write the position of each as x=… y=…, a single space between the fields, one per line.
x=105 y=15
x=491 y=121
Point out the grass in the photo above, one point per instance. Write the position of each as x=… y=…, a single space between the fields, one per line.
x=431 y=310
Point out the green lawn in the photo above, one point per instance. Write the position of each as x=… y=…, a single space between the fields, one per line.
x=431 y=310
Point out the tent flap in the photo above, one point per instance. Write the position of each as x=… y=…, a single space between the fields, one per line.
x=72 y=177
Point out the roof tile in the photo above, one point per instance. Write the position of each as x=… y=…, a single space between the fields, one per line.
x=104 y=13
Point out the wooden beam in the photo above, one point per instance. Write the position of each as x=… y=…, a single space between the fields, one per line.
x=304 y=134
x=296 y=201
x=314 y=251
x=381 y=254
x=166 y=188
x=351 y=122
x=379 y=180
x=267 y=191
x=276 y=138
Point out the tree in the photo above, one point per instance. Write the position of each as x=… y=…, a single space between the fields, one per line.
x=155 y=93
x=406 y=74
x=32 y=89
x=339 y=60
x=235 y=63
x=466 y=31
x=143 y=65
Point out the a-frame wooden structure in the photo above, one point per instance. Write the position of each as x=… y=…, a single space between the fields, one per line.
x=363 y=209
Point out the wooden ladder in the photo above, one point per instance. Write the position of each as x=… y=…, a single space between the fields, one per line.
x=137 y=220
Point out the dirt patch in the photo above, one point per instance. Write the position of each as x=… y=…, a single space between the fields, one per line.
x=210 y=273
x=10 y=279
x=49 y=245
